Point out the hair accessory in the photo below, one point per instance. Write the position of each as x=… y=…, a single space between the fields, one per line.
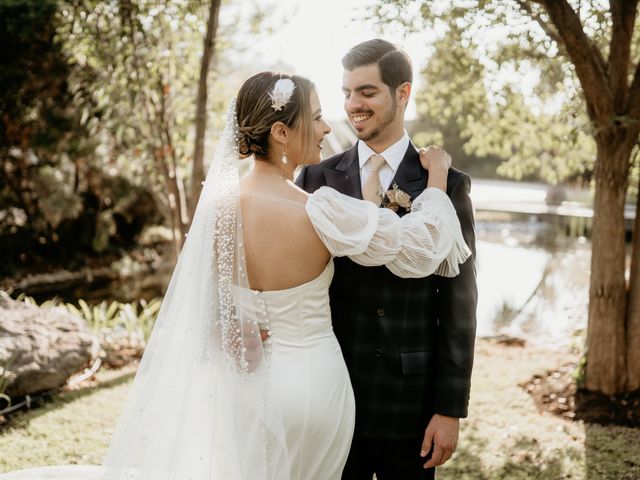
x=281 y=93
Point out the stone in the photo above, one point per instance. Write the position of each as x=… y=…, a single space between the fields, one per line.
x=40 y=348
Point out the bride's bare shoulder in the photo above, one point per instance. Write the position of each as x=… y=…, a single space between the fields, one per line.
x=297 y=193
x=287 y=194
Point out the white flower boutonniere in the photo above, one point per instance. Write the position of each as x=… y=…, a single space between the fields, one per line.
x=396 y=198
x=281 y=93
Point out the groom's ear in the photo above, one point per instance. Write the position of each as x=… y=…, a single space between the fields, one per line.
x=403 y=92
x=281 y=132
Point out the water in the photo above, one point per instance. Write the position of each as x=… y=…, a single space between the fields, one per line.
x=532 y=284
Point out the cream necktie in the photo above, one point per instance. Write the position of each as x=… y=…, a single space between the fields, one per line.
x=372 y=189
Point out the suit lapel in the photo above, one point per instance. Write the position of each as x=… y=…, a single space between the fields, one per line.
x=410 y=176
x=345 y=176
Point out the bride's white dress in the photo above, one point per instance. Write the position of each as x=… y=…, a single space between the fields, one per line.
x=308 y=379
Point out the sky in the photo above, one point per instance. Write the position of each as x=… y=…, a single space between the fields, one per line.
x=314 y=38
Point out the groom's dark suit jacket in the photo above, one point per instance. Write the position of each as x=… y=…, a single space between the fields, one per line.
x=408 y=343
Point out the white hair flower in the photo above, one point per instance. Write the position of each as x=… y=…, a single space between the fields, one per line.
x=281 y=93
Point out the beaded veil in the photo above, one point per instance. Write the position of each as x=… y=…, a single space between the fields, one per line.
x=199 y=407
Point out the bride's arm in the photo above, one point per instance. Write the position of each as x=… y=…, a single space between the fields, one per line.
x=428 y=240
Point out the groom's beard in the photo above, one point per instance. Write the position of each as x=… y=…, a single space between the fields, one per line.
x=387 y=119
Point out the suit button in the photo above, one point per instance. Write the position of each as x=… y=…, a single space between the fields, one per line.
x=380 y=312
x=379 y=352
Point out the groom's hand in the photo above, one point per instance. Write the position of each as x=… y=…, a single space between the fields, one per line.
x=442 y=434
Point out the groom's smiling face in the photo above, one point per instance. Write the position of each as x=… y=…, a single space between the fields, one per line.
x=372 y=108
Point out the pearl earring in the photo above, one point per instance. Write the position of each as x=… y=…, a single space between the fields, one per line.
x=285 y=160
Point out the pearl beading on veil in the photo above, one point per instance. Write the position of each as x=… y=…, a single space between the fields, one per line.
x=199 y=406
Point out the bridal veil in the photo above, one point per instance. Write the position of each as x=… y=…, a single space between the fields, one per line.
x=199 y=405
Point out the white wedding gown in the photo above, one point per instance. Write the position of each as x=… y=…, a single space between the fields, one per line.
x=308 y=378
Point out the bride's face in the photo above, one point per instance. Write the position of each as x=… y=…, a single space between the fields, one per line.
x=307 y=150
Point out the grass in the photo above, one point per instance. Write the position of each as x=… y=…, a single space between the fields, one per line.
x=505 y=437
x=72 y=428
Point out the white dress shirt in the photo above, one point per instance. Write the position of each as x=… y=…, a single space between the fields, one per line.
x=393 y=156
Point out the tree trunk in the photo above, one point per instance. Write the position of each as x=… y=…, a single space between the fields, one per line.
x=633 y=309
x=606 y=338
x=197 y=172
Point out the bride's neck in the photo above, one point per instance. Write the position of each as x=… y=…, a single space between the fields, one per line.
x=268 y=168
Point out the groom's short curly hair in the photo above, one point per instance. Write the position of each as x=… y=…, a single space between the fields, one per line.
x=393 y=62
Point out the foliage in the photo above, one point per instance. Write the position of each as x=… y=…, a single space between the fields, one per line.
x=93 y=91
x=535 y=146
x=41 y=140
x=450 y=105
x=112 y=213
x=110 y=319
x=134 y=77
x=56 y=201
x=500 y=83
x=133 y=71
x=134 y=319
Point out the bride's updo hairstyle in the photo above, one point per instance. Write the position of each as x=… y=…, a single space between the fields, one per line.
x=256 y=114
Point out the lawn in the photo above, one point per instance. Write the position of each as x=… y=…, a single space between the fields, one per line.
x=505 y=437
x=72 y=428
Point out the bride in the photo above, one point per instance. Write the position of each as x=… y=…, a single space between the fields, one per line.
x=243 y=377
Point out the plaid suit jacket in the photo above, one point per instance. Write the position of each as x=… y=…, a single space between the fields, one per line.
x=408 y=343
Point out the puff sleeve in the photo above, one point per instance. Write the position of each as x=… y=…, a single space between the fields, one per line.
x=426 y=240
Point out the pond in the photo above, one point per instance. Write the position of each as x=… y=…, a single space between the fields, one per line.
x=533 y=283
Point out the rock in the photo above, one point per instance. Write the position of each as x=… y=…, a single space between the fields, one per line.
x=40 y=348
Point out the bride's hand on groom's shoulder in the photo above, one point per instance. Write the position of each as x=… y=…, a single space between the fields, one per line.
x=433 y=158
x=437 y=162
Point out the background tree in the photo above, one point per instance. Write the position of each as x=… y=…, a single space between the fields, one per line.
x=484 y=107
x=37 y=120
x=141 y=78
x=126 y=82
x=97 y=95
x=54 y=203
x=451 y=101
x=208 y=50
x=583 y=51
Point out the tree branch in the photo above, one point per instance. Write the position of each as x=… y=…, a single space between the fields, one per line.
x=633 y=98
x=623 y=15
x=551 y=32
x=585 y=58
x=162 y=201
x=197 y=171
x=169 y=160
x=602 y=64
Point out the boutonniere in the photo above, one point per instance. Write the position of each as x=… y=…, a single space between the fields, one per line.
x=396 y=198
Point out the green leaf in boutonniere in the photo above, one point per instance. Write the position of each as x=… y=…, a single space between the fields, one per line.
x=396 y=198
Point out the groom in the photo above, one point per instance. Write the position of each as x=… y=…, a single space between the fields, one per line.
x=408 y=343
